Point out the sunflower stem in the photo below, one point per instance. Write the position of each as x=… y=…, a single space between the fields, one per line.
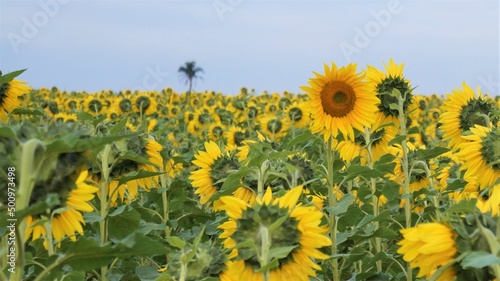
x=261 y=178
x=332 y=202
x=105 y=171
x=30 y=167
x=264 y=250
x=373 y=187
x=406 y=181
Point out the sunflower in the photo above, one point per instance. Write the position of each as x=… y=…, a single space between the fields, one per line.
x=340 y=101
x=128 y=191
x=124 y=105
x=463 y=109
x=480 y=155
x=213 y=167
x=383 y=84
x=297 y=115
x=70 y=220
x=93 y=105
x=379 y=138
x=490 y=201
x=10 y=92
x=216 y=131
x=274 y=127
x=300 y=230
x=235 y=137
x=144 y=104
x=428 y=246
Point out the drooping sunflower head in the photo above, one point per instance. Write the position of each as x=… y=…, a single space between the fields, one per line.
x=340 y=101
x=278 y=223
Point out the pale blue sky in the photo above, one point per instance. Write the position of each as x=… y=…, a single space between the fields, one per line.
x=264 y=45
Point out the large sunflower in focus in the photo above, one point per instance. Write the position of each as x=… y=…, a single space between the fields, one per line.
x=300 y=231
x=340 y=101
x=463 y=109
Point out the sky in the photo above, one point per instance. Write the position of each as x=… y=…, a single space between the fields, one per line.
x=273 y=46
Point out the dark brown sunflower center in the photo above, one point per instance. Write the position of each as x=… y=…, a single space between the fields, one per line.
x=338 y=98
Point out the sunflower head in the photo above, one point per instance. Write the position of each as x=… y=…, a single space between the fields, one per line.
x=428 y=246
x=254 y=231
x=340 y=101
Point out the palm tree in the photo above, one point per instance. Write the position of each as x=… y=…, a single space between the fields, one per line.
x=190 y=71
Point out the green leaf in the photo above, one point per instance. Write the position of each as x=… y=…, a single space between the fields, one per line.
x=479 y=259
x=147 y=273
x=428 y=154
x=10 y=76
x=363 y=171
x=232 y=182
x=176 y=242
x=390 y=190
x=273 y=264
x=118 y=126
x=278 y=223
x=397 y=140
x=27 y=111
x=464 y=206
x=140 y=174
x=305 y=136
x=92 y=217
x=341 y=206
x=39 y=207
x=6 y=132
x=86 y=254
x=281 y=252
x=123 y=224
x=72 y=143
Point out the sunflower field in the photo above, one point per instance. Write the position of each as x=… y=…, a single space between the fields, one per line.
x=357 y=177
